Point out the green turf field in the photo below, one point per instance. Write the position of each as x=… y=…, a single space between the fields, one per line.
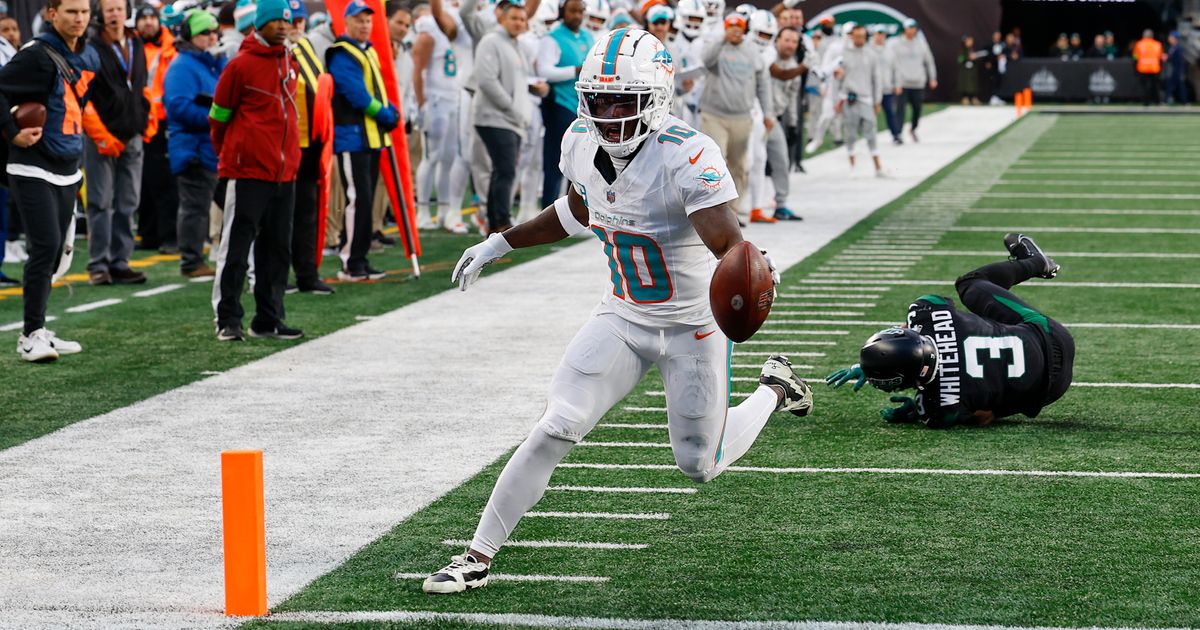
x=914 y=544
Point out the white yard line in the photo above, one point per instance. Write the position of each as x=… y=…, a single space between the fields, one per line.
x=21 y=324
x=166 y=288
x=1082 y=195
x=1117 y=183
x=201 y=279
x=614 y=516
x=643 y=409
x=91 y=306
x=1075 y=254
x=506 y=577
x=793 y=343
x=836 y=295
x=1086 y=211
x=1141 y=385
x=908 y=471
x=868 y=322
x=621 y=490
x=1092 y=170
x=608 y=623
x=555 y=544
x=810 y=332
x=757 y=366
x=632 y=425
x=1051 y=284
x=821 y=304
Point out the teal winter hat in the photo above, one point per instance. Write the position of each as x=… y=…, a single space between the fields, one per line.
x=270 y=10
x=243 y=15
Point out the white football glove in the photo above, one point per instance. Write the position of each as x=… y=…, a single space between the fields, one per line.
x=771 y=266
x=478 y=256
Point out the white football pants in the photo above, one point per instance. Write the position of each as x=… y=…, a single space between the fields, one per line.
x=441 y=157
x=605 y=360
x=529 y=168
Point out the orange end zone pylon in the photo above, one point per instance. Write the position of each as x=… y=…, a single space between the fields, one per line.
x=1019 y=102
x=245 y=533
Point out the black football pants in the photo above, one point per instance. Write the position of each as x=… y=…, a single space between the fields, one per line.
x=304 y=223
x=257 y=213
x=45 y=211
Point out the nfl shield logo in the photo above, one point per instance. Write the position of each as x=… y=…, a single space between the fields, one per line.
x=611 y=196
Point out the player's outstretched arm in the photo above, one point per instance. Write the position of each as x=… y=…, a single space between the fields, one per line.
x=567 y=216
x=718 y=228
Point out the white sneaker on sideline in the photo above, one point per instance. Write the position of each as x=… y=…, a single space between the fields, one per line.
x=36 y=347
x=62 y=346
x=464 y=572
x=14 y=251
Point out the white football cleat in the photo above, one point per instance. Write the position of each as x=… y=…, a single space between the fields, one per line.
x=36 y=347
x=463 y=573
x=797 y=395
x=62 y=346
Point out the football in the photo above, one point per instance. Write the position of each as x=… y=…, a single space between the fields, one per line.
x=28 y=115
x=741 y=292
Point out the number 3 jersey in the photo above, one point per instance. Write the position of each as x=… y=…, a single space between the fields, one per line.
x=983 y=365
x=659 y=269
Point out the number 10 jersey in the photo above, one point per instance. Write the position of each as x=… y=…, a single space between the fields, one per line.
x=659 y=269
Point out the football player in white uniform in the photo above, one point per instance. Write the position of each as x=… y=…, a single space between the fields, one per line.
x=763 y=29
x=655 y=192
x=692 y=18
x=435 y=83
x=596 y=14
x=448 y=20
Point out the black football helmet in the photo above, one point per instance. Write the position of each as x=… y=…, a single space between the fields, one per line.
x=898 y=358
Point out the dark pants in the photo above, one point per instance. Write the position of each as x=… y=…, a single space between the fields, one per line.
x=257 y=213
x=894 y=123
x=1177 y=87
x=196 y=188
x=1149 y=88
x=3 y=223
x=360 y=172
x=46 y=213
x=304 y=221
x=160 y=198
x=916 y=98
x=978 y=291
x=557 y=119
x=503 y=147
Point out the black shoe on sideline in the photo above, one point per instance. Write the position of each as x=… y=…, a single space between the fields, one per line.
x=316 y=288
x=232 y=332
x=386 y=240
x=278 y=331
x=7 y=282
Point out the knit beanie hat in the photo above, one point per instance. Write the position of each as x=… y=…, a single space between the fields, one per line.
x=269 y=10
x=198 y=21
x=243 y=15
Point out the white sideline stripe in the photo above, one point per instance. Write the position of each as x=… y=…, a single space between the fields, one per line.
x=622 y=490
x=1075 y=254
x=1054 y=195
x=91 y=306
x=624 y=444
x=201 y=279
x=824 y=304
x=21 y=324
x=606 y=623
x=781 y=344
x=910 y=471
x=793 y=331
x=1099 y=182
x=1056 y=283
x=554 y=544
x=1084 y=229
x=166 y=288
x=502 y=577
x=1085 y=211
x=1141 y=385
x=751 y=366
x=618 y=516
x=644 y=409
x=633 y=425
x=815 y=312
x=807 y=332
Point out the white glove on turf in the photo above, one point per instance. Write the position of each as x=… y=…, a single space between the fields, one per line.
x=478 y=256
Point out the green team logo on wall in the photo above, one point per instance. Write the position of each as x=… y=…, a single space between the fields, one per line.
x=868 y=13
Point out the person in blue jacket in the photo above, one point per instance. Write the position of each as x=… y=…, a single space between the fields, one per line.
x=187 y=91
x=362 y=125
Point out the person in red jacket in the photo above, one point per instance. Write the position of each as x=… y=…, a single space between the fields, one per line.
x=256 y=136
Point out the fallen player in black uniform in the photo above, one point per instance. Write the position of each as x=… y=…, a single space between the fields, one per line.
x=1003 y=357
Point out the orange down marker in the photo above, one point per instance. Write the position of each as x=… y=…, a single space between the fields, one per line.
x=245 y=533
x=1028 y=98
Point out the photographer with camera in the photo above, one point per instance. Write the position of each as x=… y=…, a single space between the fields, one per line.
x=861 y=95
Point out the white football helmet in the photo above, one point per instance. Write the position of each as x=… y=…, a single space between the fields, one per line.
x=625 y=89
x=714 y=11
x=690 y=16
x=763 y=28
x=544 y=18
x=745 y=10
x=847 y=27
x=596 y=14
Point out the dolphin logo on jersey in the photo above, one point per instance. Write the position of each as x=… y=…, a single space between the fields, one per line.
x=710 y=177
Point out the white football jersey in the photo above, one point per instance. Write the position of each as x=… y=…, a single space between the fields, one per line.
x=658 y=266
x=464 y=50
x=442 y=73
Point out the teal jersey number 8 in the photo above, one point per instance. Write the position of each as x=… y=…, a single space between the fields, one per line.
x=624 y=272
x=450 y=65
